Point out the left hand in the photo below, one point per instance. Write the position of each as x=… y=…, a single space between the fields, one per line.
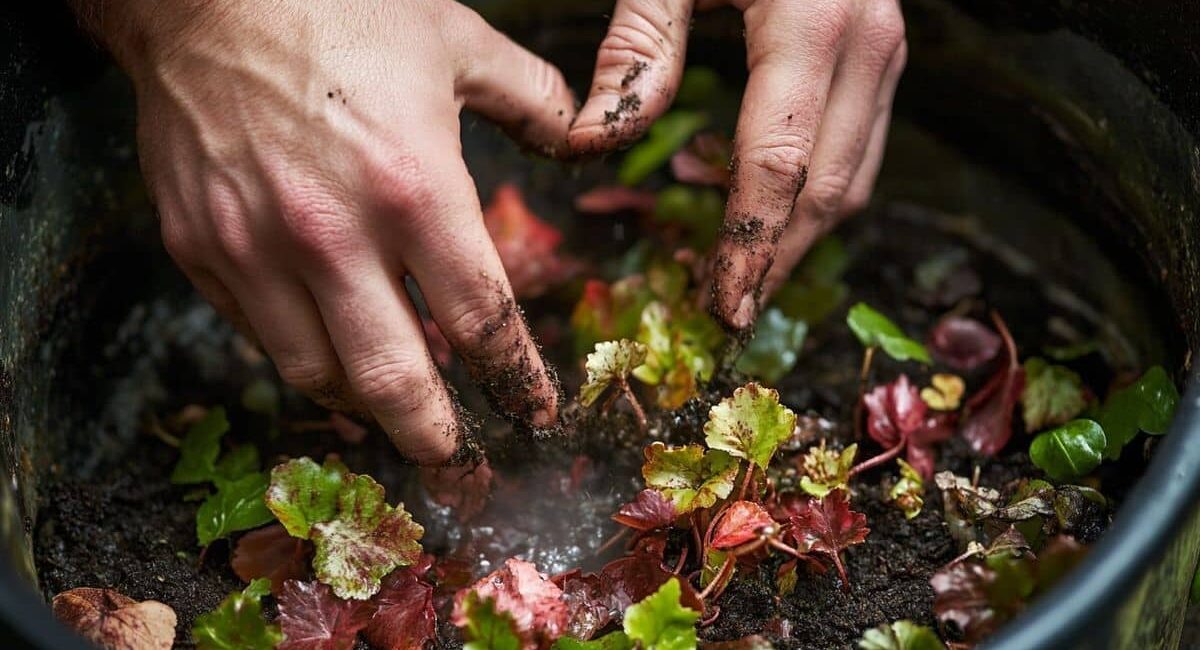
x=810 y=136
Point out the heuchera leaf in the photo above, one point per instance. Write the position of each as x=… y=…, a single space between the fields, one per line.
x=610 y=363
x=464 y=488
x=679 y=352
x=404 y=614
x=273 y=554
x=648 y=511
x=828 y=526
x=608 y=199
x=660 y=622
x=901 y=635
x=313 y=618
x=303 y=493
x=1146 y=405
x=944 y=392
x=988 y=420
x=689 y=476
x=200 y=447
x=751 y=424
x=237 y=623
x=111 y=619
x=611 y=641
x=963 y=343
x=896 y=415
x=740 y=522
x=945 y=278
x=773 y=351
x=908 y=493
x=589 y=600
x=826 y=470
x=1070 y=451
x=1053 y=395
x=607 y=312
x=874 y=329
x=364 y=541
x=238 y=462
x=528 y=246
x=533 y=603
x=637 y=575
x=665 y=136
x=484 y=627
x=236 y=505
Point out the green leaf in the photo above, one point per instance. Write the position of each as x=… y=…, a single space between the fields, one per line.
x=200 y=447
x=714 y=559
x=303 y=493
x=816 y=289
x=680 y=345
x=487 y=629
x=261 y=396
x=773 y=351
x=1069 y=451
x=660 y=622
x=874 y=329
x=908 y=493
x=1053 y=395
x=237 y=623
x=365 y=540
x=1146 y=405
x=698 y=209
x=665 y=137
x=901 y=635
x=610 y=363
x=236 y=505
x=611 y=641
x=238 y=462
x=751 y=424
x=699 y=87
x=689 y=476
x=826 y=470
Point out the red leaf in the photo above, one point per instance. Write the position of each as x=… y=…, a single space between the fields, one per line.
x=937 y=428
x=987 y=424
x=464 y=488
x=271 y=553
x=534 y=603
x=705 y=161
x=404 y=615
x=740 y=523
x=828 y=526
x=894 y=411
x=588 y=598
x=963 y=343
x=528 y=246
x=632 y=578
x=615 y=198
x=648 y=511
x=313 y=618
x=961 y=599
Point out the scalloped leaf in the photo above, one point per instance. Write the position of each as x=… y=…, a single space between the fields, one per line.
x=689 y=476
x=200 y=447
x=900 y=635
x=533 y=604
x=826 y=470
x=236 y=505
x=660 y=622
x=649 y=510
x=751 y=424
x=238 y=623
x=313 y=618
x=740 y=522
x=1053 y=395
x=303 y=493
x=610 y=364
x=828 y=526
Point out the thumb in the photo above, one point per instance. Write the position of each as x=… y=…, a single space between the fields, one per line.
x=638 y=69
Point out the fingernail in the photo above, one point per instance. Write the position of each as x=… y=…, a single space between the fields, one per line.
x=744 y=315
x=541 y=418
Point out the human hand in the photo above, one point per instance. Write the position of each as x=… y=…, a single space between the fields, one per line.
x=810 y=136
x=305 y=158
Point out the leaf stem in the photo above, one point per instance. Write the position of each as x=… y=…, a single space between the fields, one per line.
x=723 y=576
x=612 y=541
x=683 y=554
x=154 y=428
x=746 y=482
x=864 y=374
x=634 y=403
x=880 y=459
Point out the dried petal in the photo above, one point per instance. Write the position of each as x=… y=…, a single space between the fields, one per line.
x=112 y=620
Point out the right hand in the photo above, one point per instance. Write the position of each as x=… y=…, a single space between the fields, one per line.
x=305 y=159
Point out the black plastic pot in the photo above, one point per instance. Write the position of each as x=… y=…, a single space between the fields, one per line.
x=1091 y=107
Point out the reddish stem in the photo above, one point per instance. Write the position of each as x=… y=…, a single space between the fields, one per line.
x=880 y=459
x=716 y=611
x=864 y=374
x=612 y=541
x=634 y=403
x=682 y=558
x=837 y=562
x=717 y=585
x=746 y=483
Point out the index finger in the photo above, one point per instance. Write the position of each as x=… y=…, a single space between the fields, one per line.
x=792 y=50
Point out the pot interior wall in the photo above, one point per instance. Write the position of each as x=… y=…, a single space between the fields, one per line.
x=1033 y=135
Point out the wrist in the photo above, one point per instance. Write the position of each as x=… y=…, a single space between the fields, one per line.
x=139 y=32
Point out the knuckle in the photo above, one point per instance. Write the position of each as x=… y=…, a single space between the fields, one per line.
x=482 y=331
x=308 y=375
x=883 y=28
x=315 y=224
x=780 y=158
x=394 y=383
x=638 y=35
x=404 y=184
x=234 y=240
x=854 y=202
x=178 y=241
x=826 y=191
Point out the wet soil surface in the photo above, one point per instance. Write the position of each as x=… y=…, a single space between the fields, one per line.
x=127 y=528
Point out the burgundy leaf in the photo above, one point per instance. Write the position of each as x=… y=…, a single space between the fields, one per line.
x=404 y=616
x=961 y=599
x=534 y=603
x=987 y=423
x=740 y=523
x=648 y=511
x=894 y=411
x=632 y=578
x=921 y=453
x=271 y=553
x=464 y=488
x=588 y=597
x=828 y=526
x=963 y=343
x=313 y=618
x=705 y=161
x=528 y=246
x=615 y=198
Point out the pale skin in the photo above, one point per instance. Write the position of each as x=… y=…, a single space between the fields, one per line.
x=305 y=159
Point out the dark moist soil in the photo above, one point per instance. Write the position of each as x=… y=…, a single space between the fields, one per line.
x=127 y=528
